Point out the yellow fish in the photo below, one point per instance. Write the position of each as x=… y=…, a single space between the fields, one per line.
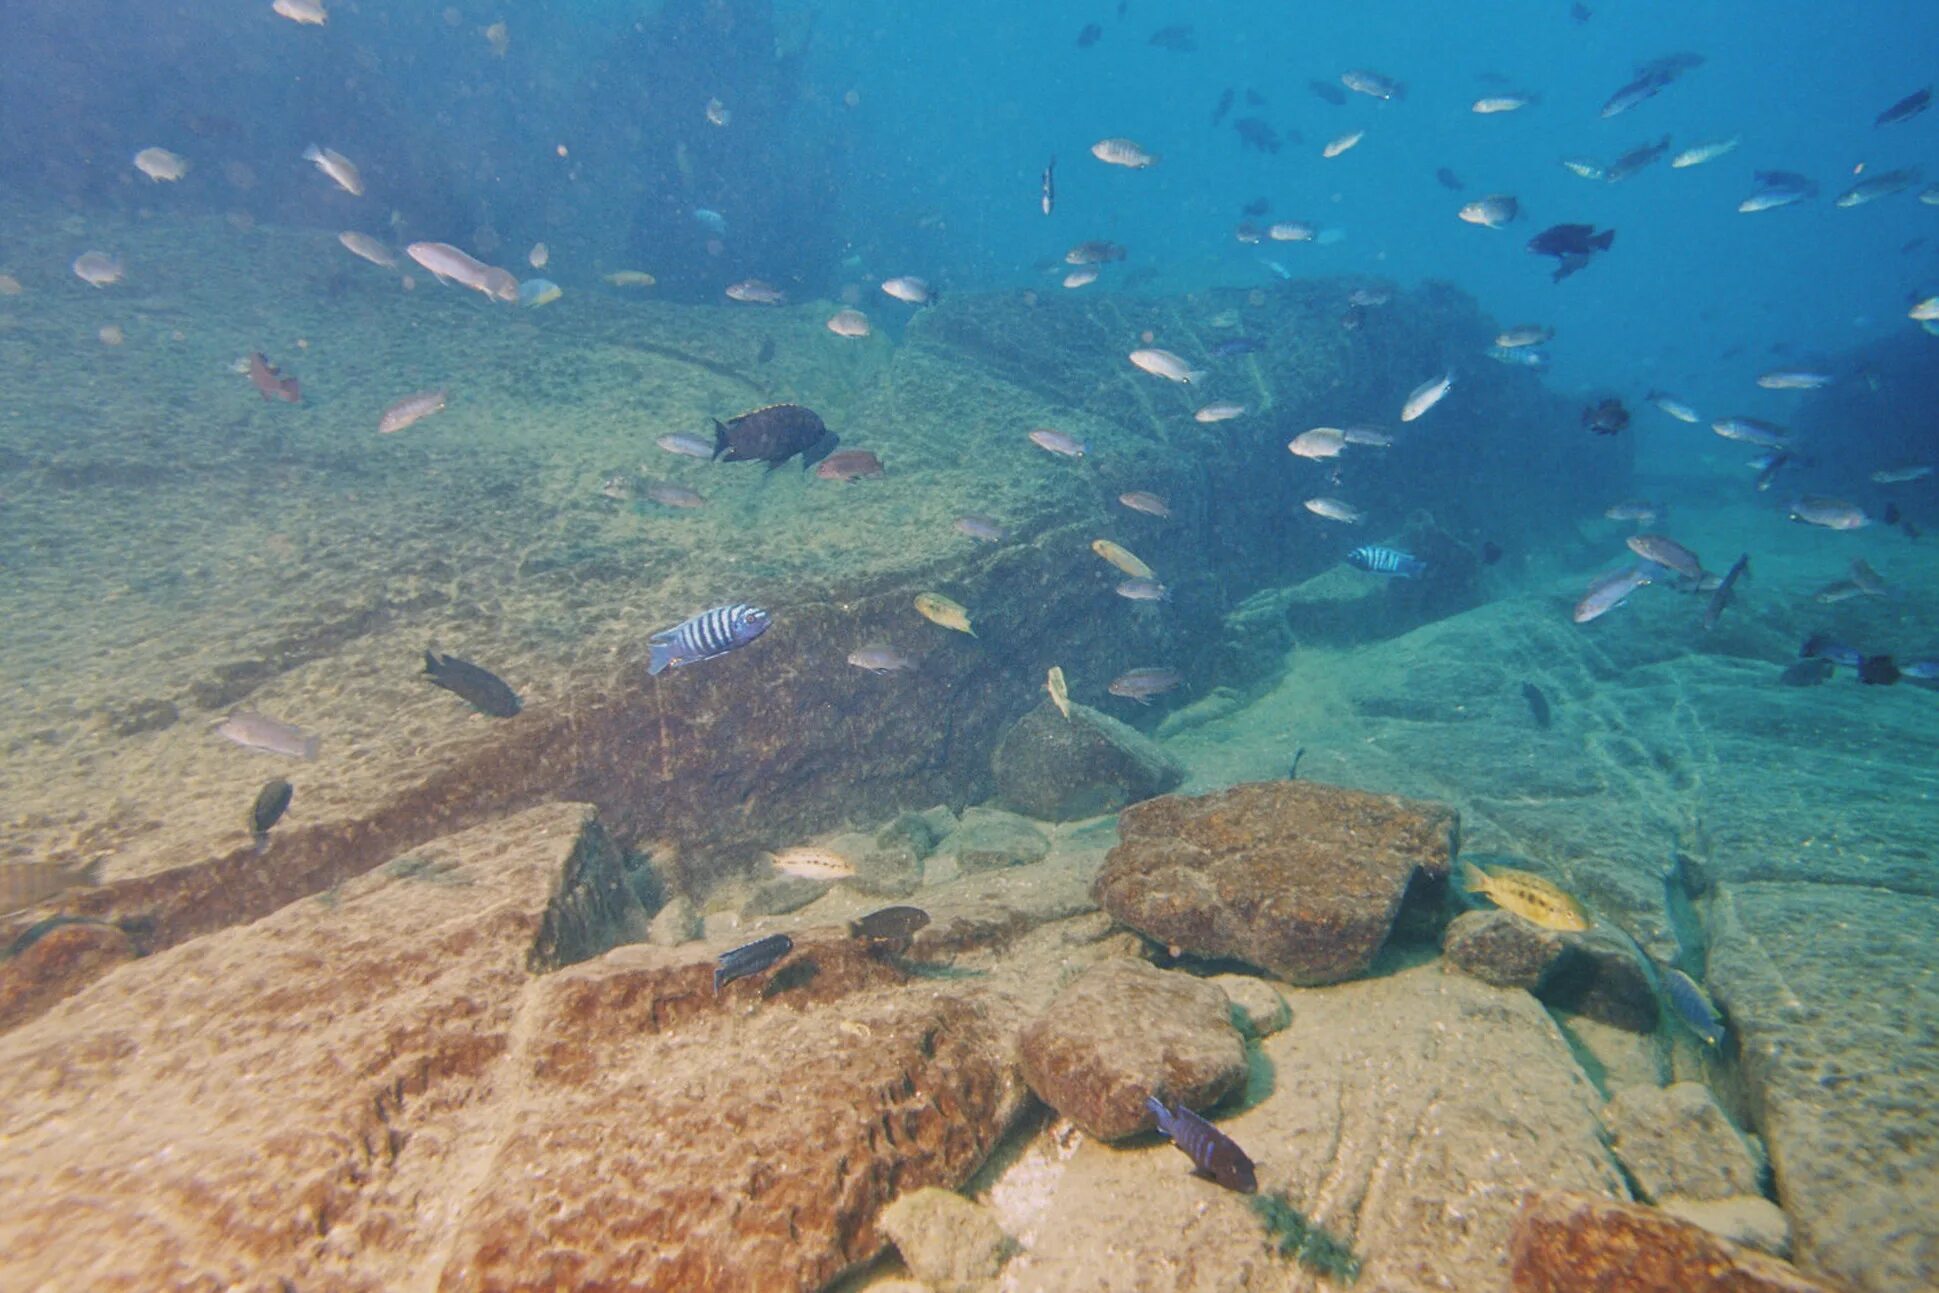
x=631 y=278
x=1059 y=692
x=1528 y=896
x=938 y=609
x=1122 y=558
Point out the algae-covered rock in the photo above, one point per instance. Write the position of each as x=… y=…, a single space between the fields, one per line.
x=675 y=923
x=1059 y=769
x=782 y=894
x=948 y=1242
x=990 y=838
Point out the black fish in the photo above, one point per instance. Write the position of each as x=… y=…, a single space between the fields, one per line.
x=485 y=690
x=1907 y=108
x=272 y=801
x=1606 y=417
x=749 y=958
x=1878 y=671
x=1224 y=106
x=773 y=435
x=1571 y=245
x=1176 y=38
x=1089 y=36
x=1635 y=160
x=1806 y=673
x=1490 y=553
x=1538 y=704
x=1216 y=1155
x=1256 y=207
x=1449 y=180
x=1721 y=597
x=1255 y=133
x=1580 y=13
x=1332 y=93
x=889 y=925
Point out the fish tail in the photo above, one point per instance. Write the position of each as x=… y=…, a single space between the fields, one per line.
x=720 y=438
x=1602 y=241
x=1471 y=878
x=1158 y=1111
x=660 y=656
x=431 y=663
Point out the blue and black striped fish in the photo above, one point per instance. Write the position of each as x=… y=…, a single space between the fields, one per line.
x=1215 y=1154
x=749 y=958
x=706 y=635
x=1387 y=561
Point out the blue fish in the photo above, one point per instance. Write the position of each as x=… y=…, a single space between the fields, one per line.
x=1236 y=346
x=706 y=635
x=1215 y=1154
x=1823 y=648
x=749 y=958
x=1526 y=356
x=1387 y=561
x=1692 y=1007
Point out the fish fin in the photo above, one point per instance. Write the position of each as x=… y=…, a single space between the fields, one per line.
x=432 y=665
x=1602 y=241
x=1471 y=878
x=720 y=439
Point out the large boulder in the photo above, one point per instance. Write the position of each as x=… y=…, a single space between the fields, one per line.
x=1301 y=879
x=1596 y=972
x=1566 y=1242
x=989 y=839
x=1677 y=1140
x=1123 y=1030
x=1059 y=769
x=948 y=1242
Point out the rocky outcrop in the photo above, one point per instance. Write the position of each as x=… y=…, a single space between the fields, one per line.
x=1566 y=1242
x=1677 y=1140
x=1596 y=972
x=989 y=839
x=1059 y=769
x=1298 y=878
x=1124 y=1030
x=949 y=1243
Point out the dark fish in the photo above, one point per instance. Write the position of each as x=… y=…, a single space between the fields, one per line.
x=269 y=381
x=1292 y=772
x=1666 y=552
x=1098 y=251
x=889 y=925
x=1580 y=13
x=272 y=801
x=1050 y=186
x=1806 y=673
x=1332 y=93
x=41 y=929
x=773 y=435
x=706 y=635
x=1176 y=38
x=1690 y=1005
x=1254 y=99
x=485 y=690
x=1449 y=180
x=1606 y=417
x=1216 y=1155
x=749 y=958
x=1721 y=598
x=1635 y=160
x=1224 y=105
x=1231 y=346
x=1142 y=684
x=1571 y=245
x=1490 y=553
x=1905 y=109
x=1878 y=671
x=1820 y=647
x=1538 y=704
x=1255 y=133
x=1256 y=207
x=1768 y=472
x=1088 y=37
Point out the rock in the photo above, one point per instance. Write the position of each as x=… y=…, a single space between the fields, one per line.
x=1748 y=1219
x=949 y=1243
x=782 y=894
x=1298 y=878
x=65 y=952
x=1595 y=972
x=1257 y=1008
x=1566 y=1242
x=990 y=838
x=920 y=831
x=1501 y=948
x=884 y=868
x=1678 y=1140
x=1059 y=769
x=675 y=923
x=1123 y=1030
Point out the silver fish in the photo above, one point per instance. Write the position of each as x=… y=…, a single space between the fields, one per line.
x=450 y=265
x=1122 y=152
x=1491 y=212
x=1163 y=363
x=340 y=169
x=1142 y=684
x=1765 y=435
x=1673 y=406
x=255 y=731
x=1666 y=552
x=1426 y=396
x=410 y=410
x=879 y=658
x=980 y=528
x=1607 y=592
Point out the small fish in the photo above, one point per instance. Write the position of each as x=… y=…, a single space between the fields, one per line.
x=539 y=256
x=1905 y=109
x=1831 y=513
x=1387 y=561
x=689 y=446
x=848 y=323
x=1095 y=252
x=29 y=884
x=1572 y=246
x=754 y=291
x=1689 y=1003
x=1122 y=152
x=1538 y=705
x=160 y=165
x=749 y=958
x=1605 y=416
x=848 y=465
x=1426 y=396
x=1666 y=552
x=1765 y=435
x=1820 y=647
x=705 y=636
x=306 y=12
x=1082 y=276
x=1334 y=147
x=1491 y=212
x=1318 y=443
x=1144 y=588
x=1328 y=91
x=668 y=494
x=1142 y=684
x=1777 y=189
x=99 y=269
x=718 y=113
x=1121 y=557
x=1292 y=231
x=1449 y=180
x=1720 y=598
x=1165 y=364
x=909 y=289
x=808 y=863
x=410 y=410
x=1215 y=1155
x=269 y=381
x=534 y=292
x=1372 y=84
x=1639 y=510
x=1057 y=442
x=450 y=264
x=1701 y=153
x=1900 y=475
x=889 y=925
x=341 y=170
x=939 y=610
x=1529 y=896
x=272 y=801
x=1925 y=311
x=879 y=658
x=485 y=690
x=1793 y=379
x=980 y=528
x=1868 y=580
x=1607 y=592
x=640 y=278
x=1150 y=504
x=1177 y=39
x=1334 y=510
x=1527 y=335
x=1519 y=356
x=255 y=731
x=1673 y=406
x=1882 y=185
x=1635 y=160
x=1059 y=690
x=1089 y=35
x=1841 y=590
x=1219 y=411
x=1582 y=167
x=1049 y=199
x=1498 y=103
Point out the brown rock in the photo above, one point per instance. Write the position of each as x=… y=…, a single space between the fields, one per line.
x=1499 y=947
x=40 y=971
x=1059 y=769
x=1583 y=1243
x=1123 y=1030
x=951 y=1244
x=1593 y=972
x=1298 y=878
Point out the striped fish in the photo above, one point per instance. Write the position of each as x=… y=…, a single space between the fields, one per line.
x=706 y=635
x=1215 y=1154
x=749 y=958
x=1692 y=1006
x=1387 y=561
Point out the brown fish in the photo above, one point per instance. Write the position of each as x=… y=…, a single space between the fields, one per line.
x=270 y=382
x=29 y=884
x=849 y=465
x=1665 y=551
x=773 y=435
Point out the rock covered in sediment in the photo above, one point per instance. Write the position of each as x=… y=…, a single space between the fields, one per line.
x=675 y=923
x=951 y=1244
x=1501 y=948
x=1748 y=1219
x=1257 y=1008
x=1123 y=1030
x=1595 y=972
x=1059 y=769
x=1677 y=1140
x=1301 y=879
x=1567 y=1242
x=990 y=838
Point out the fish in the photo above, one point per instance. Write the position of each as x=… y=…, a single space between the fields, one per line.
x=341 y=170
x=1530 y=896
x=1831 y=513
x=1372 y=84
x=1572 y=245
x=889 y=925
x=809 y=863
x=1766 y=435
x=1635 y=160
x=755 y=291
x=1900 y=475
x=1607 y=592
x=1176 y=38
x=1387 y=561
x=1292 y=231
x=1673 y=406
x=534 y=292
x=1720 y=598
x=1059 y=690
x=1449 y=180
x=270 y=382
x=1334 y=147
x=848 y=465
x=538 y=257
x=1793 y=379
x=1641 y=511
x=688 y=446
x=1520 y=356
x=1491 y=212
x=1215 y=1155
x=1582 y=167
x=1689 y=1004
x=410 y=410
x=448 y=264
x=254 y=731
x=667 y=494
x=640 y=278
x=1929 y=195
x=1373 y=437
x=1606 y=416
x=1121 y=557
x=848 y=323
x=1538 y=705
x=485 y=690
x=879 y=658
x=909 y=289
x=1122 y=152
x=99 y=269
x=1257 y=134
x=1925 y=311
x=1698 y=154
x=1820 y=647
x=1530 y=334
x=1874 y=187
x=1089 y=35
x=773 y=434
x=1219 y=411
x=1868 y=580
x=305 y=12
x=1082 y=276
x=1777 y=189
x=160 y=165
x=1666 y=552
x=1095 y=252
x=706 y=636
x=1905 y=109
x=749 y=958
x=1334 y=510
x=718 y=113
x=272 y=801
x=1842 y=590
x=1328 y=92
x=980 y=528
x=1650 y=79
x=1150 y=504
x=1143 y=588
x=1426 y=396
x=1492 y=104
x=939 y=610
x=29 y=884
x=1049 y=199
x=1806 y=673
x=1051 y=440
x=1165 y=364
